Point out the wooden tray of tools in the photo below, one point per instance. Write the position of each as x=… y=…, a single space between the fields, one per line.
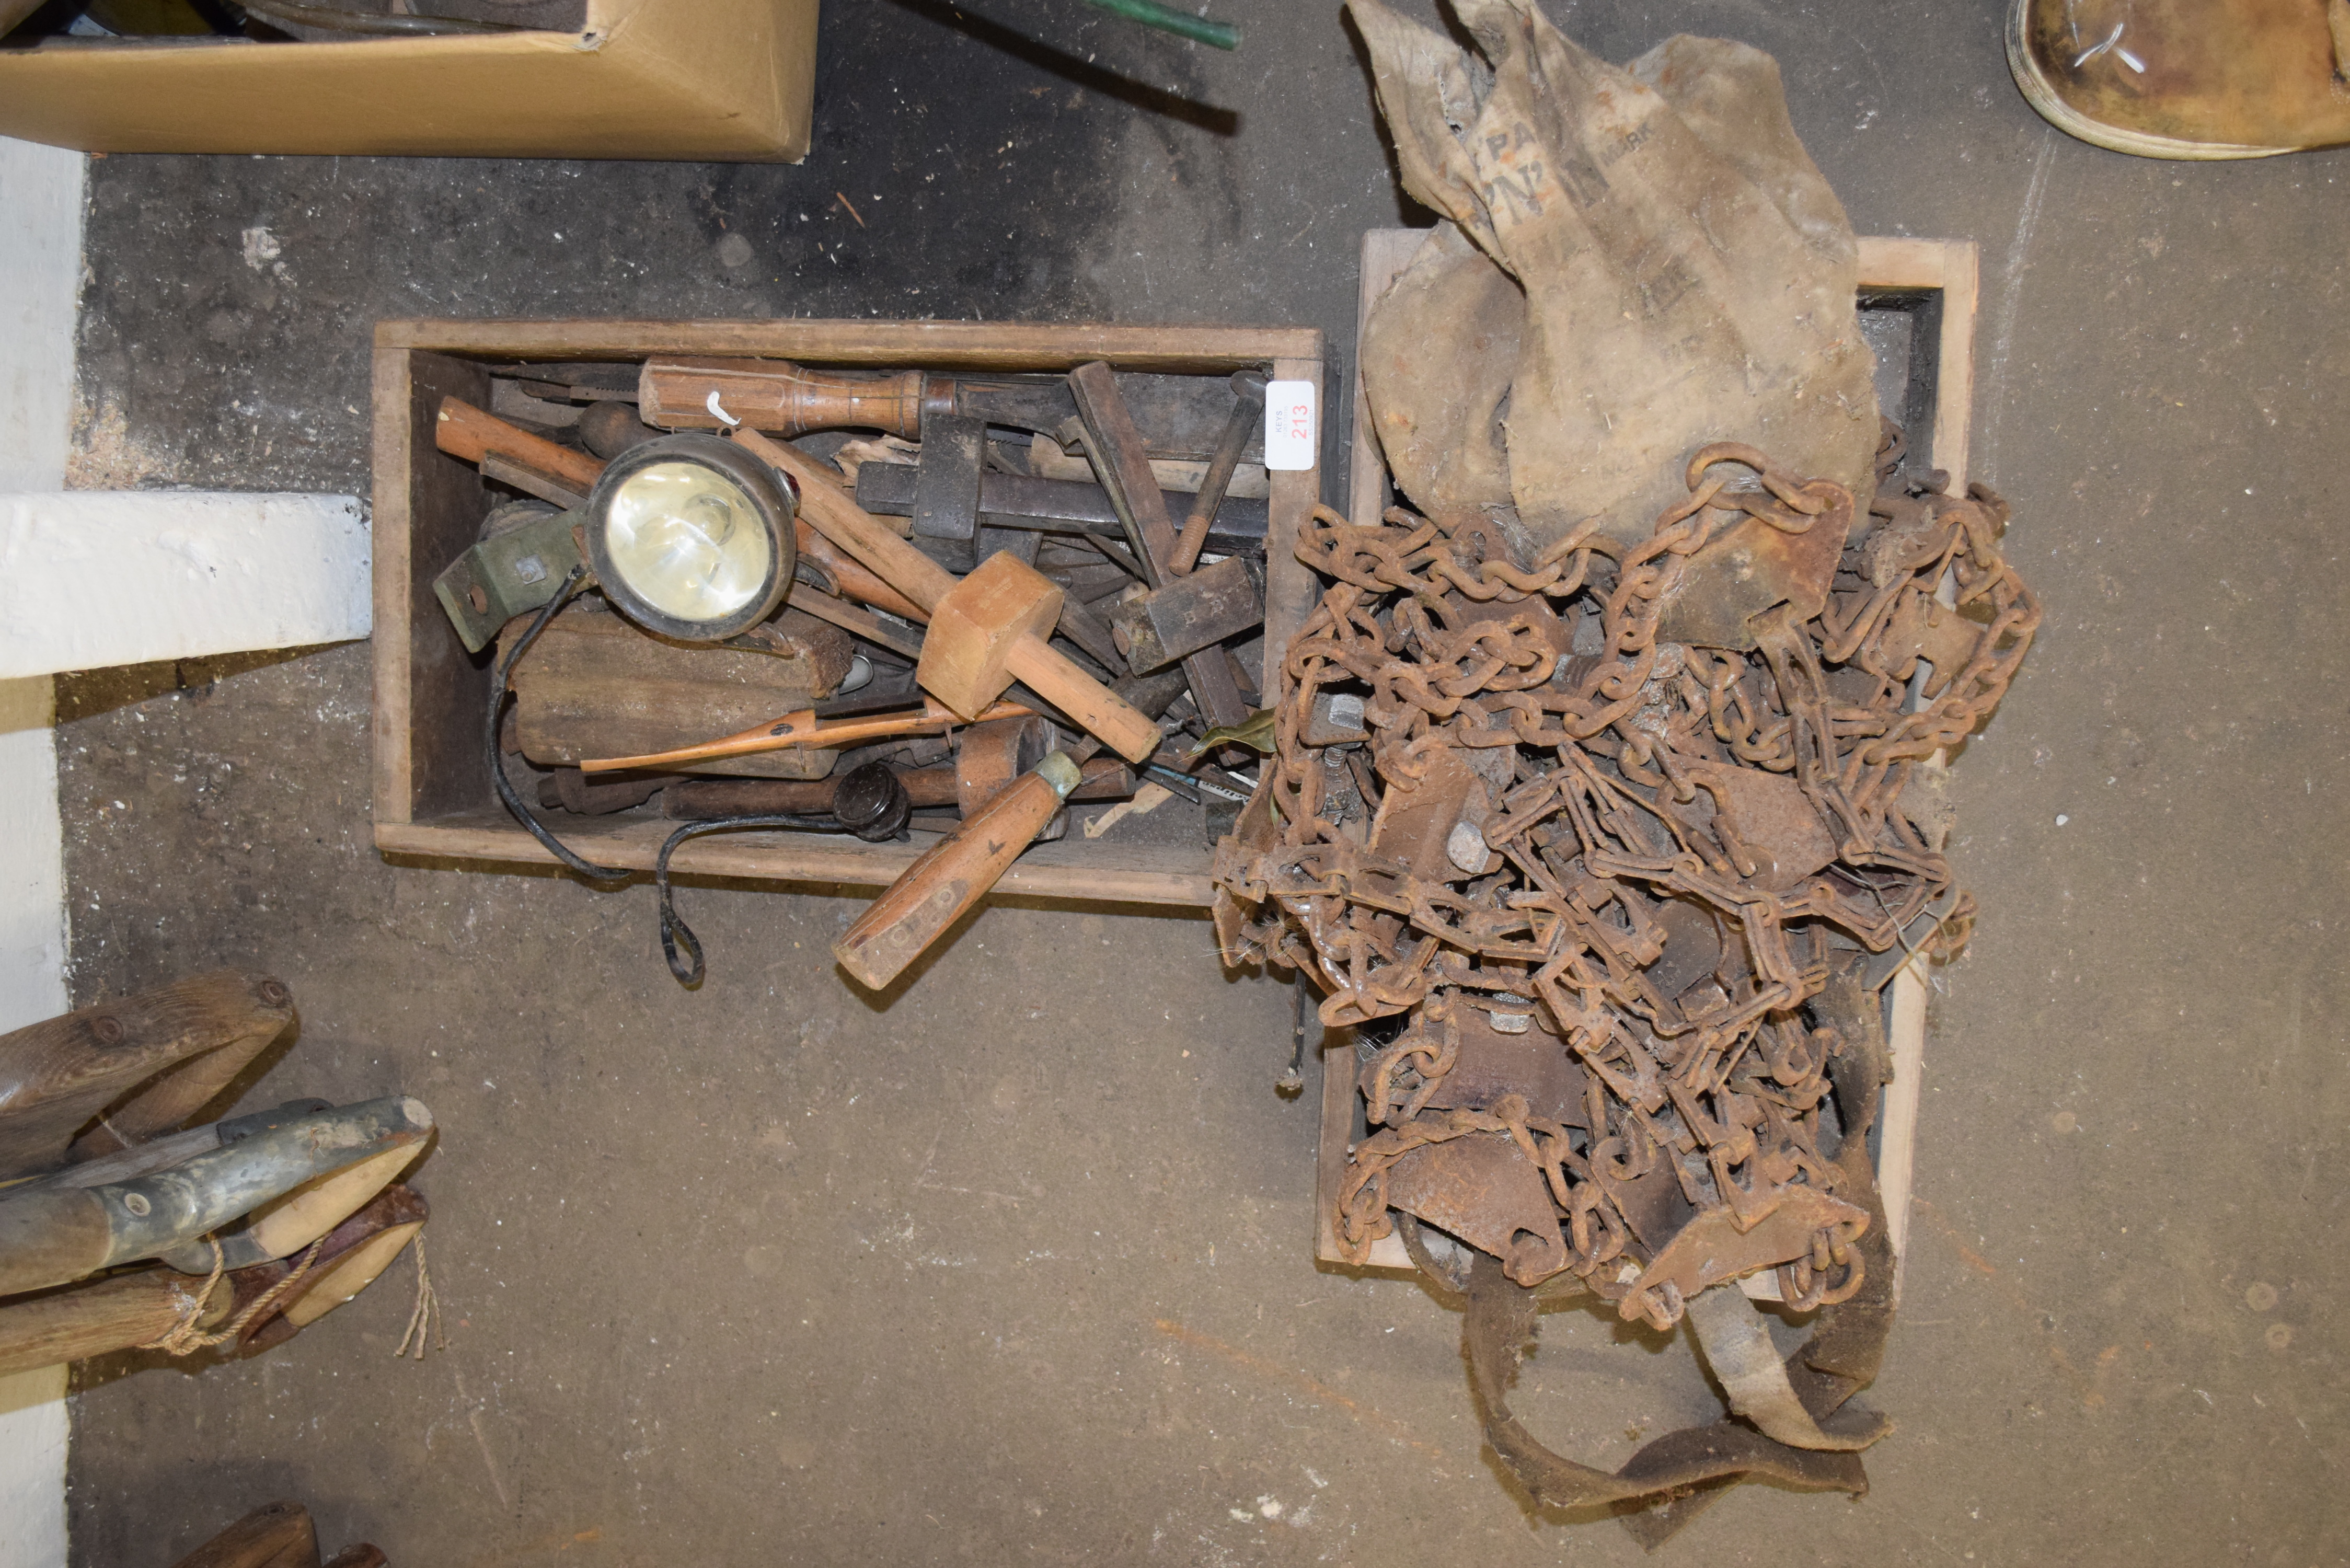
x=1918 y=312
x=432 y=791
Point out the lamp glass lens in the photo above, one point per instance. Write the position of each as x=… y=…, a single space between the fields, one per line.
x=688 y=541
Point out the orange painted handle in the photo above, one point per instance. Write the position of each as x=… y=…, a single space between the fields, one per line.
x=856 y=580
x=463 y=430
x=952 y=875
x=804 y=728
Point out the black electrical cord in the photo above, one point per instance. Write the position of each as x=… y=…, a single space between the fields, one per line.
x=869 y=801
x=499 y=682
x=874 y=795
x=675 y=932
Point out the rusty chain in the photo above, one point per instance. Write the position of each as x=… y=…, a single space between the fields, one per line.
x=1555 y=797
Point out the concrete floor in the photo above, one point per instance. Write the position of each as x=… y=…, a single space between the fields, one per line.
x=1018 y=1267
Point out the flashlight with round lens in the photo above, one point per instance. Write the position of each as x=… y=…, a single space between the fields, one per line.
x=691 y=536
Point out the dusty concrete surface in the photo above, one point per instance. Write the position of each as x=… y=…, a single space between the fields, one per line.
x=997 y=1271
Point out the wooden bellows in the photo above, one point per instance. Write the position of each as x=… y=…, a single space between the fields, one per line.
x=162 y=1054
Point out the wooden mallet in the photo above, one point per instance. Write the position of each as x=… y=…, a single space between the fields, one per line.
x=986 y=631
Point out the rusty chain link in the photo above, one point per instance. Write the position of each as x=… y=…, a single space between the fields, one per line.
x=1656 y=843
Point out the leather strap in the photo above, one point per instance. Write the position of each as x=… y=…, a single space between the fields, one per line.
x=1731 y=1332
x=1502 y=1319
x=1666 y=1485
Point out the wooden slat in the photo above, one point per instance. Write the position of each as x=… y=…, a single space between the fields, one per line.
x=1290 y=589
x=1897 y=265
x=1093 y=870
x=1949 y=268
x=394 y=763
x=1338 y=1072
x=1897 y=1153
x=932 y=345
x=1906 y=1028
x=1386 y=253
x=447 y=688
x=1954 y=410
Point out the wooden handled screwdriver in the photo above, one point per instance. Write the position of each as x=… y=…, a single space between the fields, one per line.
x=951 y=876
x=788 y=399
x=955 y=873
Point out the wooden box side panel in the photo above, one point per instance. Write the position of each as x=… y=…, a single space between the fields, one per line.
x=935 y=345
x=390 y=765
x=1289 y=587
x=1949 y=269
x=1140 y=874
x=1386 y=253
x=429 y=510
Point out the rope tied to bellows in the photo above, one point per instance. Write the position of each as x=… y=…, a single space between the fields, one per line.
x=426 y=1314
x=184 y=1338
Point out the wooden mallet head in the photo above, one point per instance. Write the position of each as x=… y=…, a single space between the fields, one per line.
x=975 y=627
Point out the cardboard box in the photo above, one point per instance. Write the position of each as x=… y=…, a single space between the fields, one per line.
x=644 y=79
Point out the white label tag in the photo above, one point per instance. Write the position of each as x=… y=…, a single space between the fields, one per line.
x=1290 y=425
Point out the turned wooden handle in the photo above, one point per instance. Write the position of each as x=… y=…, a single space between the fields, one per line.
x=952 y=875
x=1123 y=728
x=833 y=512
x=102 y=1318
x=858 y=581
x=463 y=430
x=52 y=1236
x=784 y=398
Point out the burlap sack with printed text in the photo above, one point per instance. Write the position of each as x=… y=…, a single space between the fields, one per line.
x=1667 y=268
